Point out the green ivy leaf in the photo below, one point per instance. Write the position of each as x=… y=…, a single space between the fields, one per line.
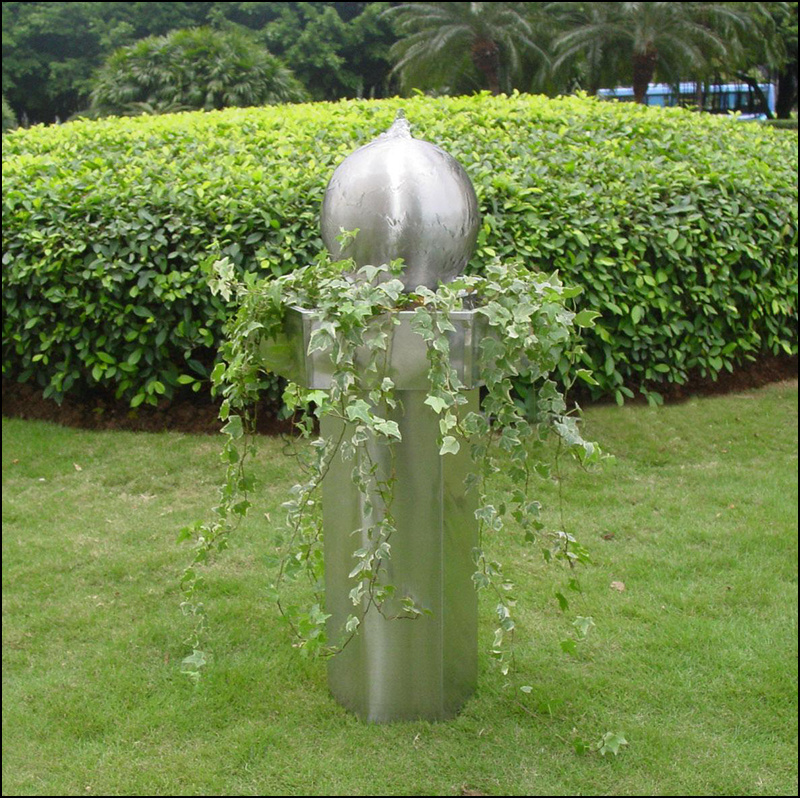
x=611 y=743
x=320 y=340
x=436 y=403
x=359 y=411
x=352 y=623
x=586 y=318
x=569 y=646
x=388 y=428
x=234 y=427
x=449 y=445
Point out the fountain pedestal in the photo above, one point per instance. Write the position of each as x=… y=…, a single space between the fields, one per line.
x=400 y=669
x=409 y=200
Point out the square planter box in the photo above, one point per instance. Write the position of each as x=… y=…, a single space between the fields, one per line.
x=287 y=354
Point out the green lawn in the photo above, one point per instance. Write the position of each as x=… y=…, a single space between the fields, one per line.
x=695 y=662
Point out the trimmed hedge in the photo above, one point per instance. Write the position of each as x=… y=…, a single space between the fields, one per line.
x=789 y=124
x=682 y=229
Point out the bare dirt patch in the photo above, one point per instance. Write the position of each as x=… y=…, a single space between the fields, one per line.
x=188 y=414
x=768 y=369
x=196 y=414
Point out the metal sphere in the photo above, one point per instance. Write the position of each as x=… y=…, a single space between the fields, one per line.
x=410 y=200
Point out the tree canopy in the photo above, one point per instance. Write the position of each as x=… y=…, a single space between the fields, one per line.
x=444 y=44
x=196 y=68
x=51 y=50
x=54 y=52
x=673 y=40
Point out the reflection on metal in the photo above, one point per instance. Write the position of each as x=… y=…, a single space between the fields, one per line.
x=410 y=200
x=407 y=362
x=403 y=669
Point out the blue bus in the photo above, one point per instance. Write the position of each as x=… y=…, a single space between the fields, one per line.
x=719 y=98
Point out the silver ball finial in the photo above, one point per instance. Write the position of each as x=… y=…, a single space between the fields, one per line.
x=410 y=200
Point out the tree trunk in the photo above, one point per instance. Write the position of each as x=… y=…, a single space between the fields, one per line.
x=644 y=66
x=756 y=90
x=486 y=58
x=786 y=91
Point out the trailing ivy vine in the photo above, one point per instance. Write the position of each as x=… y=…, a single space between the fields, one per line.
x=531 y=335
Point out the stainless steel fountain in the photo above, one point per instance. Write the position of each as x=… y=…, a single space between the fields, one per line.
x=410 y=200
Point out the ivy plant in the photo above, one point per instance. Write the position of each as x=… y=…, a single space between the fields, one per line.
x=532 y=331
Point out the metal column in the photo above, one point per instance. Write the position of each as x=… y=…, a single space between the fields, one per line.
x=403 y=669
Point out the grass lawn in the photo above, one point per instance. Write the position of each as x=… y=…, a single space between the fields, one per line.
x=695 y=662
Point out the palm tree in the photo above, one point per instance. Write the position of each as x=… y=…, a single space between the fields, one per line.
x=441 y=42
x=599 y=65
x=669 y=38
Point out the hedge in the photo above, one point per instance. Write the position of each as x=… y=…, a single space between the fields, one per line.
x=682 y=229
x=789 y=124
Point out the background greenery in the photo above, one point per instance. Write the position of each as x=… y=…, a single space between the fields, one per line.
x=681 y=228
x=199 y=68
x=695 y=662
x=52 y=51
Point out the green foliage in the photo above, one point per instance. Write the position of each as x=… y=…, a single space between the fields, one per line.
x=609 y=743
x=50 y=50
x=332 y=55
x=442 y=45
x=785 y=17
x=786 y=124
x=197 y=68
x=670 y=40
x=530 y=331
x=682 y=229
x=9 y=117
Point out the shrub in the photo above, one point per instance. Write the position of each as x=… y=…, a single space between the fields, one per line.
x=9 y=117
x=197 y=68
x=681 y=228
x=788 y=124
